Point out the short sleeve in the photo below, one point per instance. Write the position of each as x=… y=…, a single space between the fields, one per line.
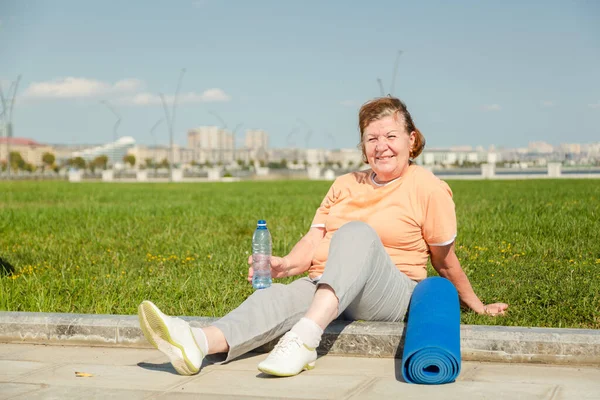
x=323 y=210
x=439 y=226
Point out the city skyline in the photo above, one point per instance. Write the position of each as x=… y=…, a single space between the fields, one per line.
x=471 y=74
x=242 y=141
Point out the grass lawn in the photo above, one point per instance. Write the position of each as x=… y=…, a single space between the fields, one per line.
x=103 y=248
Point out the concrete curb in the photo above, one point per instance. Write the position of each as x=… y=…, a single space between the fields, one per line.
x=370 y=339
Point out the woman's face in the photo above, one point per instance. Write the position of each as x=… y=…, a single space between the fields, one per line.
x=387 y=147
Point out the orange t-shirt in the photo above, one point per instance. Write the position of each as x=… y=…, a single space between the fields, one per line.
x=409 y=214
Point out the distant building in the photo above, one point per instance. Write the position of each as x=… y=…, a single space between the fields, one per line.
x=256 y=139
x=211 y=144
x=540 y=147
x=257 y=144
x=348 y=158
x=317 y=156
x=114 y=151
x=156 y=154
x=64 y=152
x=447 y=157
x=593 y=150
x=291 y=155
x=574 y=148
x=30 y=150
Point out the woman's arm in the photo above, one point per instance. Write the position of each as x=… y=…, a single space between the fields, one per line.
x=446 y=263
x=298 y=260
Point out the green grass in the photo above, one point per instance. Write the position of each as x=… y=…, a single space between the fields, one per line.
x=103 y=248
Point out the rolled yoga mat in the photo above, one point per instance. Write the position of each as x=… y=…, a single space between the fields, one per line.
x=432 y=347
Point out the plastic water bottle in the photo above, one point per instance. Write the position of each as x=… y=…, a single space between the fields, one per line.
x=261 y=256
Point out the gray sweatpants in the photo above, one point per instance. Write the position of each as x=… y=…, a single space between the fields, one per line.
x=358 y=269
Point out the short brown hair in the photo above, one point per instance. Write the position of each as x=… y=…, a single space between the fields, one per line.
x=381 y=107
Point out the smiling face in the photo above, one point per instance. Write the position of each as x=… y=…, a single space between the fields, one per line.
x=387 y=147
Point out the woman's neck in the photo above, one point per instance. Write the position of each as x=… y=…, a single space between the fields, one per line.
x=382 y=183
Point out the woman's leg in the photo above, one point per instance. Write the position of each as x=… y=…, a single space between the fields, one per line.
x=262 y=317
x=324 y=307
x=215 y=339
x=360 y=279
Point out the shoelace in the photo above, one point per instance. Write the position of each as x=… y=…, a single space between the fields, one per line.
x=284 y=346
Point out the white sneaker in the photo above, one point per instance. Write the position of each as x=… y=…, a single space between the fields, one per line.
x=289 y=357
x=173 y=336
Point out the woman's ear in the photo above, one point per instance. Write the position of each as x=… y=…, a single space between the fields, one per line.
x=412 y=138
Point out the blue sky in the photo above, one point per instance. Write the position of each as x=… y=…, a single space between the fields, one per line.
x=471 y=72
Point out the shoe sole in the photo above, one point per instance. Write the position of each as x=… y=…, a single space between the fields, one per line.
x=157 y=334
x=307 y=367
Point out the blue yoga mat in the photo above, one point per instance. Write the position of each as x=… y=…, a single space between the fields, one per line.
x=432 y=346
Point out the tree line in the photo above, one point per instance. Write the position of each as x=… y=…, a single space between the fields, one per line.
x=49 y=163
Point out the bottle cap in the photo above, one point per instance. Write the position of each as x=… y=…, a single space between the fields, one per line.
x=262 y=222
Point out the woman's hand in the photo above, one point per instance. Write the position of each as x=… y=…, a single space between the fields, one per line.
x=494 y=309
x=280 y=267
x=445 y=262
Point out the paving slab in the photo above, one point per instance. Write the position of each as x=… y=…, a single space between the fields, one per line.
x=91 y=355
x=7 y=349
x=298 y=387
x=189 y=396
x=547 y=374
x=108 y=376
x=388 y=388
x=87 y=393
x=10 y=369
x=12 y=390
x=130 y=374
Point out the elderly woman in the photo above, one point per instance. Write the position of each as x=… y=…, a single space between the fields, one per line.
x=365 y=251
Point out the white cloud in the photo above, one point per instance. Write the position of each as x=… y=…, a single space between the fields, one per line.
x=147 y=99
x=491 y=107
x=548 y=103
x=140 y=99
x=214 y=95
x=126 y=91
x=595 y=106
x=128 y=85
x=71 y=87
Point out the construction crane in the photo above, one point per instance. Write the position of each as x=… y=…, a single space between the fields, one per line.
x=156 y=124
x=171 y=120
x=7 y=112
x=394 y=73
x=117 y=122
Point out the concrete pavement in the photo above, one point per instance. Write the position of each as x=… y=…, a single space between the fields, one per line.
x=29 y=371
